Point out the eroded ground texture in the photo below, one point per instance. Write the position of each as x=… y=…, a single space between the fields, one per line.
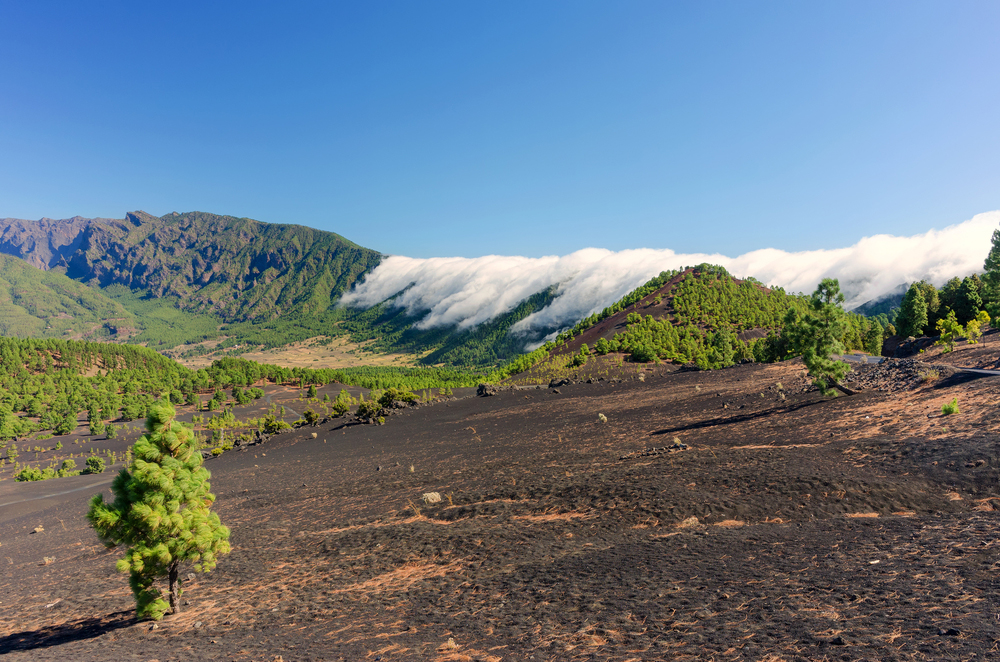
x=791 y=527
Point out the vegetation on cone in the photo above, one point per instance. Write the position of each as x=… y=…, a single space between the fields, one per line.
x=161 y=512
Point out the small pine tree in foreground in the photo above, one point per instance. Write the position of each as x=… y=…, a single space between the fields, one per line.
x=161 y=513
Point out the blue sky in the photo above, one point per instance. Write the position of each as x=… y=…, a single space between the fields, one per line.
x=528 y=128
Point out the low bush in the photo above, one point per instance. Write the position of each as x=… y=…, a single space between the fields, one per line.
x=28 y=474
x=95 y=465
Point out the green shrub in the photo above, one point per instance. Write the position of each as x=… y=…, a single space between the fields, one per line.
x=368 y=409
x=28 y=474
x=643 y=354
x=272 y=425
x=393 y=395
x=950 y=408
x=95 y=465
x=342 y=404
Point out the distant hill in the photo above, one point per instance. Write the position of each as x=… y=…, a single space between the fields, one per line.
x=483 y=347
x=701 y=316
x=199 y=283
x=47 y=304
x=45 y=243
x=215 y=269
x=187 y=278
x=884 y=305
x=236 y=268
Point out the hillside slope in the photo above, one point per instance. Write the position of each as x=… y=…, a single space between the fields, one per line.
x=47 y=304
x=45 y=243
x=236 y=268
x=701 y=315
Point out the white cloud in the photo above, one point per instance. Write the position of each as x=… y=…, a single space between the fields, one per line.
x=468 y=291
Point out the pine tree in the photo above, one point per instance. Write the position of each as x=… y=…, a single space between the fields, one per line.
x=949 y=328
x=935 y=309
x=969 y=302
x=991 y=266
x=990 y=292
x=161 y=513
x=873 y=338
x=912 y=317
x=974 y=329
x=815 y=335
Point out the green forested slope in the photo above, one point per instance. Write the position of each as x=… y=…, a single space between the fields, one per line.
x=46 y=383
x=484 y=347
x=36 y=303
x=694 y=316
x=236 y=269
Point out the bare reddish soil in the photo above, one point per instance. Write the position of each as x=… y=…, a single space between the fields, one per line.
x=792 y=527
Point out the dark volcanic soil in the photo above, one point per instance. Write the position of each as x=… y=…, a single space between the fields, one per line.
x=792 y=527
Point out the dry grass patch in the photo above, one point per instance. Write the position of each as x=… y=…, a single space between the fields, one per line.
x=861 y=515
x=758 y=447
x=553 y=517
x=402 y=578
x=339 y=353
x=985 y=505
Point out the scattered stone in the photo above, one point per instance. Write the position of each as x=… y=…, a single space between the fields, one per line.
x=893 y=375
x=950 y=632
x=556 y=383
x=838 y=641
x=431 y=497
x=197 y=624
x=39 y=529
x=555 y=390
x=486 y=390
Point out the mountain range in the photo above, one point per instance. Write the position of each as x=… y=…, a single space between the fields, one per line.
x=180 y=279
x=176 y=281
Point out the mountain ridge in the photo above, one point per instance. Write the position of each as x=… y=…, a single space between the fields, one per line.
x=237 y=268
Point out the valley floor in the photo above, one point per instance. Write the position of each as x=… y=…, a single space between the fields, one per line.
x=792 y=527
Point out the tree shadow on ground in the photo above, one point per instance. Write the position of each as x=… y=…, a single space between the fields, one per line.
x=741 y=418
x=64 y=633
x=959 y=378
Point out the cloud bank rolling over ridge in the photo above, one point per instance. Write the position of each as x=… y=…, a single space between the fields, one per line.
x=465 y=292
